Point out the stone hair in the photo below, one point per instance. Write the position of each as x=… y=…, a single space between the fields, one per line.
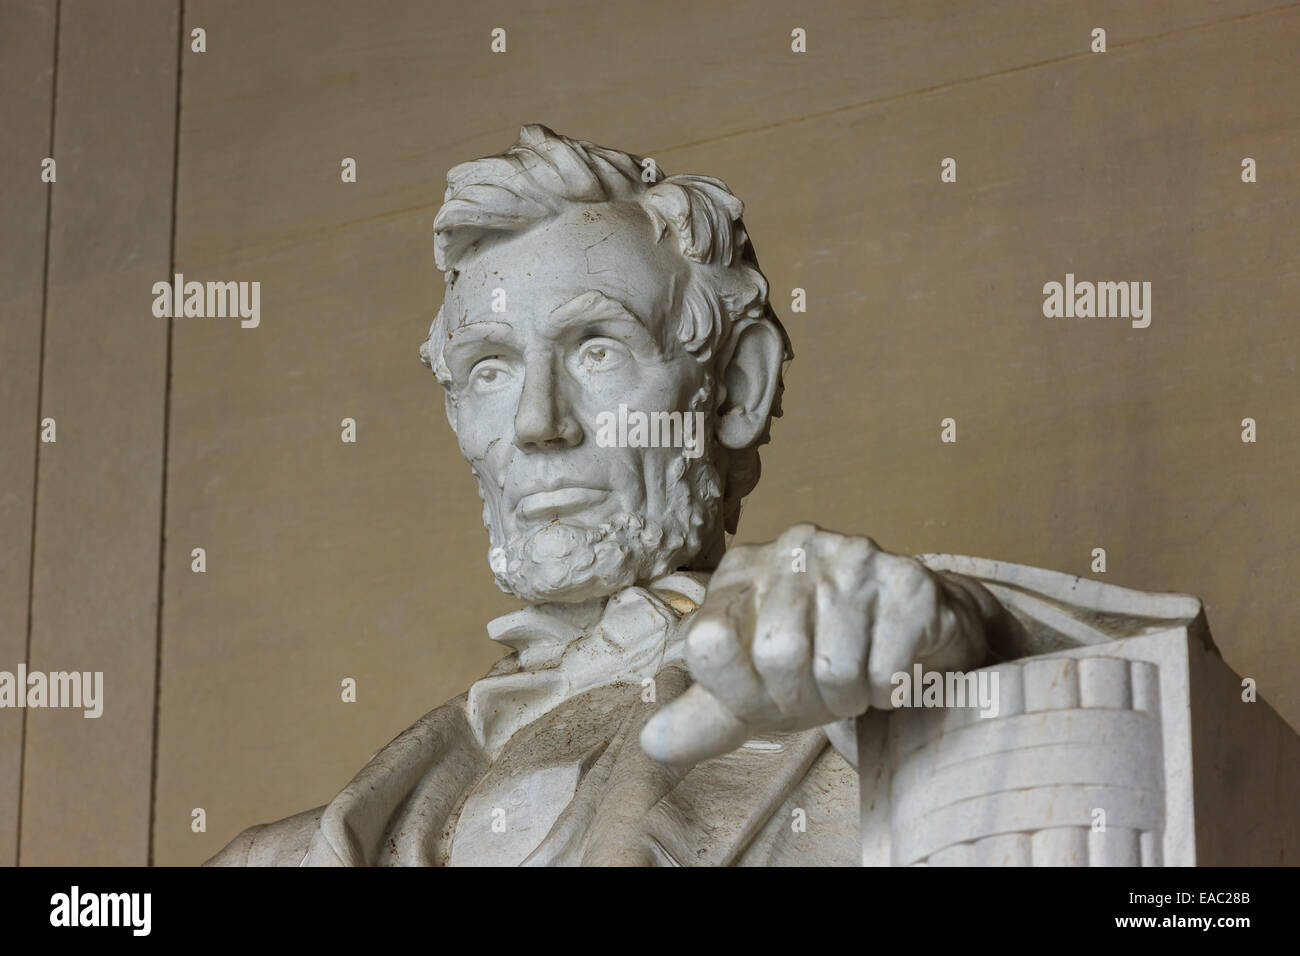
x=544 y=174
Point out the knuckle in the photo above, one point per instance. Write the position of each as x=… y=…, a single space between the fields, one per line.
x=856 y=552
x=880 y=674
x=778 y=651
x=706 y=643
x=879 y=677
x=910 y=581
x=836 y=672
x=737 y=557
x=925 y=592
x=852 y=573
x=798 y=534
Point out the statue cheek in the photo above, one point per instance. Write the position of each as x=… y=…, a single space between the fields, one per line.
x=481 y=426
x=678 y=384
x=489 y=460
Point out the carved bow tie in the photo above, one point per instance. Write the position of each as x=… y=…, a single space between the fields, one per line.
x=555 y=659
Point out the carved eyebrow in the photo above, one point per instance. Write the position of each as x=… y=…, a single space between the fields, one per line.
x=591 y=306
x=471 y=339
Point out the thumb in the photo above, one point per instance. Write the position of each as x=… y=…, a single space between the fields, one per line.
x=694 y=727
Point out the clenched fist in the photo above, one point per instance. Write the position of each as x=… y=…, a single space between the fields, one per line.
x=808 y=630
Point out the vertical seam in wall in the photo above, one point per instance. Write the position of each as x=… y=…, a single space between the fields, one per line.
x=36 y=459
x=167 y=414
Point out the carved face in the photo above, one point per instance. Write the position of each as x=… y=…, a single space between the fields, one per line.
x=549 y=333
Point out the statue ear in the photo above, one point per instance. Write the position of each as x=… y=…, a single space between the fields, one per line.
x=750 y=381
x=449 y=406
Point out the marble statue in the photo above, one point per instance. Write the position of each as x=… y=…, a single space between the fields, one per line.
x=611 y=365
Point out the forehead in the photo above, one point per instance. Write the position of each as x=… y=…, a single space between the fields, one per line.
x=605 y=247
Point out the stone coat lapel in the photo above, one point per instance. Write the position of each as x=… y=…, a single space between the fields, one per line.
x=393 y=811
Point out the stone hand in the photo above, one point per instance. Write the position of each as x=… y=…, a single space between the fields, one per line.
x=807 y=630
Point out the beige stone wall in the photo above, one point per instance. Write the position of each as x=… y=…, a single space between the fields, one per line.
x=327 y=560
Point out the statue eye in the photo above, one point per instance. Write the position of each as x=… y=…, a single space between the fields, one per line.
x=600 y=355
x=488 y=374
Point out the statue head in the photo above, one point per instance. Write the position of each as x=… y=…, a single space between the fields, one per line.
x=610 y=362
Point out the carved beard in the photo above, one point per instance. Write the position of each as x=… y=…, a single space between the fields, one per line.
x=567 y=561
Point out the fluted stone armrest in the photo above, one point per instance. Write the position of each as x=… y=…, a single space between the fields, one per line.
x=1134 y=752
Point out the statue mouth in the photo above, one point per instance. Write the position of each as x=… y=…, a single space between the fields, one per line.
x=559 y=502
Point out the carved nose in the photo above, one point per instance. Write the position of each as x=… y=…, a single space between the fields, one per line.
x=543 y=419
